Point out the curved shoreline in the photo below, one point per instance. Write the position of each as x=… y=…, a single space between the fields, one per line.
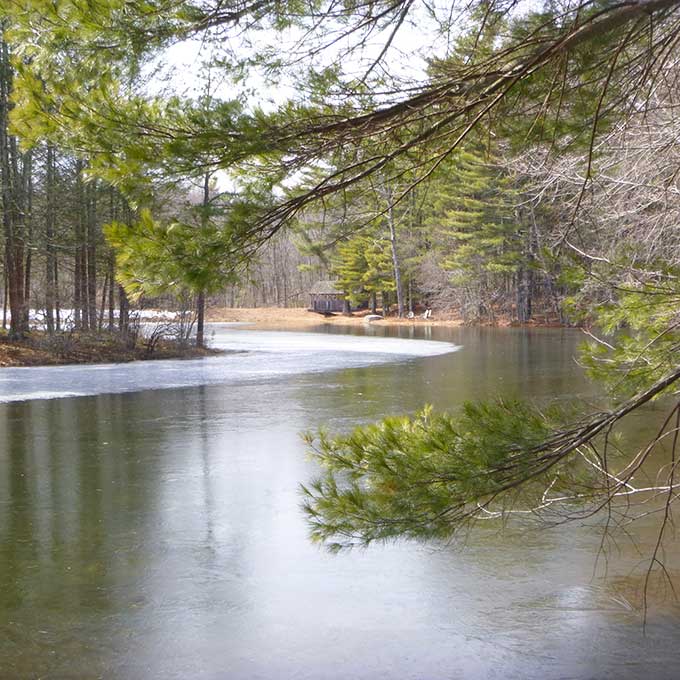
x=39 y=350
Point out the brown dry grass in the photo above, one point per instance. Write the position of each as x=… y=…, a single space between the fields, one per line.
x=278 y=317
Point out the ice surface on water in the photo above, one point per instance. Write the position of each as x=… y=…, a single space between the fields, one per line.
x=259 y=355
x=267 y=341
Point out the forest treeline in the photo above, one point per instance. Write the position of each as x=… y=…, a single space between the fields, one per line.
x=55 y=259
x=499 y=228
x=474 y=240
x=58 y=267
x=470 y=241
x=494 y=233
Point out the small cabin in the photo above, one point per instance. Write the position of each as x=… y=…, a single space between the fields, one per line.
x=325 y=297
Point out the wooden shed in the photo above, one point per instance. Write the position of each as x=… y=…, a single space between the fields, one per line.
x=325 y=297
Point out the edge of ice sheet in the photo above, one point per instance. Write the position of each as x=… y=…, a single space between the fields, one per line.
x=252 y=355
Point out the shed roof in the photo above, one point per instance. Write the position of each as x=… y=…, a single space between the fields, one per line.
x=326 y=288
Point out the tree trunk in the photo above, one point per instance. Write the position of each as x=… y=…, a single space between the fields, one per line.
x=92 y=257
x=27 y=192
x=123 y=312
x=4 y=294
x=102 y=307
x=113 y=215
x=385 y=303
x=13 y=205
x=78 y=315
x=200 y=298
x=523 y=295
x=200 y=319
x=57 y=299
x=50 y=259
x=112 y=278
x=395 y=256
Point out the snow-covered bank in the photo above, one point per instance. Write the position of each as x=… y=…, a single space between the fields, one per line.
x=36 y=317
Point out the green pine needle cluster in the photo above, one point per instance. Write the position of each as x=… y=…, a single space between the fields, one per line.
x=424 y=477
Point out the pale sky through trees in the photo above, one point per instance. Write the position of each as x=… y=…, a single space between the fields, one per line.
x=180 y=69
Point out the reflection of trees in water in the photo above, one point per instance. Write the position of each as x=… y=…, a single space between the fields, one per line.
x=77 y=511
x=503 y=362
x=204 y=450
x=97 y=529
x=17 y=547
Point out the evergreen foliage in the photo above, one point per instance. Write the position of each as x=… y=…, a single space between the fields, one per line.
x=479 y=218
x=422 y=477
x=153 y=258
x=364 y=268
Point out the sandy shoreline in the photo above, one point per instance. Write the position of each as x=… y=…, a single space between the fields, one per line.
x=279 y=317
x=299 y=316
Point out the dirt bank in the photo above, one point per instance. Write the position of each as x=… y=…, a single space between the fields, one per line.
x=38 y=349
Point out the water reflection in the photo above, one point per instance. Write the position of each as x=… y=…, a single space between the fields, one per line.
x=157 y=534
